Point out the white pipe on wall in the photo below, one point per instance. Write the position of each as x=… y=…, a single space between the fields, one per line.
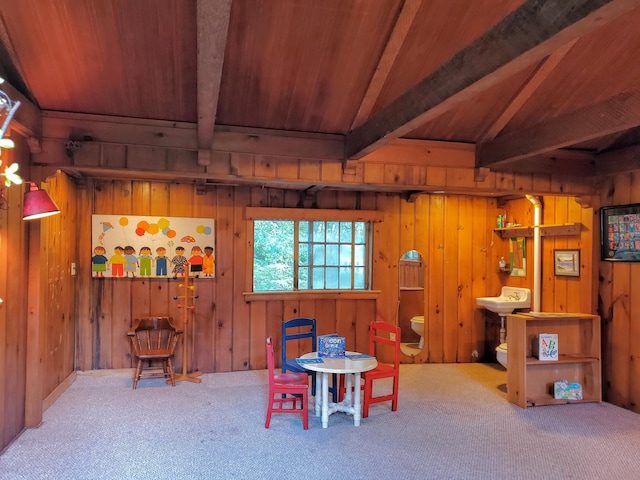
x=537 y=260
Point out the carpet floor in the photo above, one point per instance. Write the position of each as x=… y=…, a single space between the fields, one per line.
x=453 y=422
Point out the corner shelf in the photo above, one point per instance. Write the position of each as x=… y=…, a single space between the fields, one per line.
x=545 y=230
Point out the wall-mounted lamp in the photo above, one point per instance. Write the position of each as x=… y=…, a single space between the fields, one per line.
x=37 y=204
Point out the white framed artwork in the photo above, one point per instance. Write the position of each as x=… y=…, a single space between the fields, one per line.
x=130 y=246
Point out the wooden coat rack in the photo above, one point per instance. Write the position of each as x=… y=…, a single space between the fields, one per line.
x=187 y=307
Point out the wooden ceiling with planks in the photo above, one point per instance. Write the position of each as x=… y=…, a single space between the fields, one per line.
x=530 y=85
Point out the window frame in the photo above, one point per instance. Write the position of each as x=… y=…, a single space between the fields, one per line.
x=296 y=214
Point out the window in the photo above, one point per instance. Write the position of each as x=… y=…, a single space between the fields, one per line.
x=310 y=255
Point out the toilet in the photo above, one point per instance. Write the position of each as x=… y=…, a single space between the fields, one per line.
x=501 y=354
x=417 y=325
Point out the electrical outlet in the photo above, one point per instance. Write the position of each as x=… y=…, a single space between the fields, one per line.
x=73 y=268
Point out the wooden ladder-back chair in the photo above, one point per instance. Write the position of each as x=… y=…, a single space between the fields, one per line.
x=294 y=330
x=286 y=388
x=380 y=334
x=302 y=329
x=154 y=339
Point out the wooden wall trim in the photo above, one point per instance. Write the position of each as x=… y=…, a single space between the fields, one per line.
x=59 y=390
x=142 y=149
x=312 y=294
x=259 y=213
x=35 y=330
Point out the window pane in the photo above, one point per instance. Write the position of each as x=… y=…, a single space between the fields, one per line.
x=318 y=254
x=361 y=232
x=333 y=256
x=303 y=254
x=411 y=255
x=318 y=231
x=345 y=255
x=359 y=255
x=329 y=255
x=303 y=278
x=303 y=231
x=318 y=278
x=333 y=232
x=345 y=232
x=358 y=278
x=345 y=277
x=332 y=278
x=273 y=255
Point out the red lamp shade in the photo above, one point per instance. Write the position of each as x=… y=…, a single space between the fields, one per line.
x=37 y=204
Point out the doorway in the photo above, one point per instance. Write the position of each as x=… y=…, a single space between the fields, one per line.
x=411 y=302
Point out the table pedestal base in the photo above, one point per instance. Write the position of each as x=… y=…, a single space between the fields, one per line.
x=350 y=405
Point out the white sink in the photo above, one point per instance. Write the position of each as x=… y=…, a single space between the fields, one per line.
x=510 y=299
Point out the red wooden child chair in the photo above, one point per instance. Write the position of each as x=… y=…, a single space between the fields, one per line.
x=283 y=387
x=380 y=333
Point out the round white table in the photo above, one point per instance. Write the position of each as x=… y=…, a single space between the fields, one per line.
x=353 y=363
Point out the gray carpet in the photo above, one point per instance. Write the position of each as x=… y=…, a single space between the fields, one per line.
x=453 y=422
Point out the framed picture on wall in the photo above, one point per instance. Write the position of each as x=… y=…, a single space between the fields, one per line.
x=620 y=233
x=566 y=262
x=129 y=246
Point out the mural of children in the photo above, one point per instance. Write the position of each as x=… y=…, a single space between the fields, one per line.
x=117 y=262
x=131 y=261
x=178 y=262
x=145 y=259
x=208 y=262
x=161 y=262
x=195 y=262
x=99 y=261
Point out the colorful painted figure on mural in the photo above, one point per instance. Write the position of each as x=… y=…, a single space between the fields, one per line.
x=179 y=261
x=117 y=262
x=145 y=260
x=161 y=262
x=99 y=261
x=195 y=261
x=208 y=262
x=131 y=261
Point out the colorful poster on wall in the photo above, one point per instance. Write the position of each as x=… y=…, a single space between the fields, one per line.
x=620 y=240
x=128 y=246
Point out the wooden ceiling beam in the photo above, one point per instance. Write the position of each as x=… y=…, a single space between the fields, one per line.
x=424 y=153
x=528 y=34
x=539 y=75
x=118 y=130
x=612 y=115
x=577 y=166
x=212 y=26
x=278 y=143
x=622 y=160
x=611 y=141
x=183 y=136
x=388 y=58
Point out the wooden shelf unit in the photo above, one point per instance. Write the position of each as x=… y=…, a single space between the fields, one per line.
x=545 y=230
x=530 y=381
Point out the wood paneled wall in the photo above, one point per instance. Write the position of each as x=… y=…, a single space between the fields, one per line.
x=229 y=332
x=454 y=234
x=619 y=307
x=57 y=306
x=14 y=267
